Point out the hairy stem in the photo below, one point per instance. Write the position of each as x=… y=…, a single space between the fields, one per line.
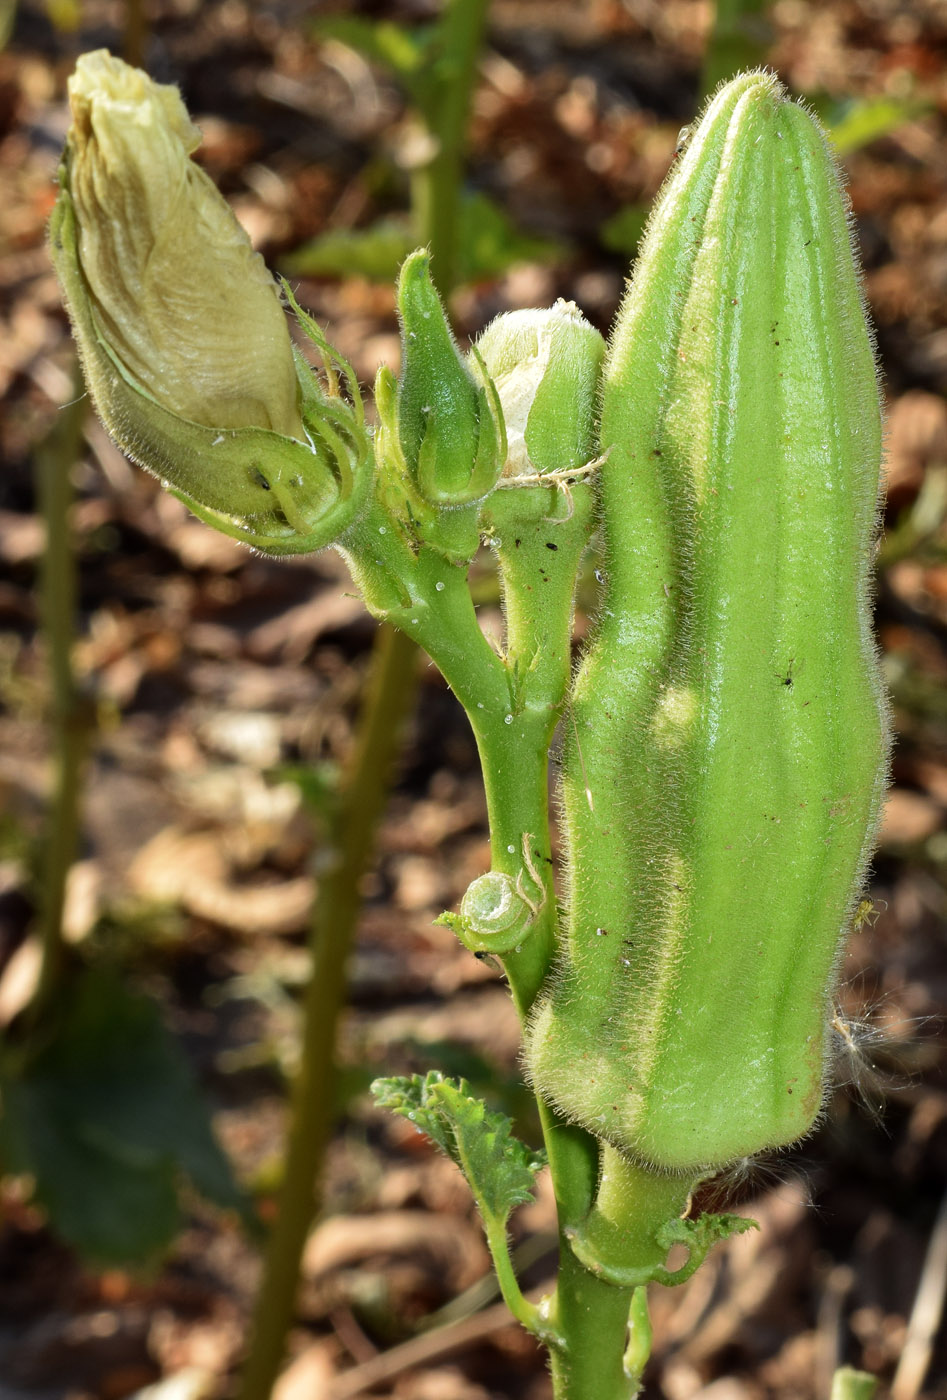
x=525 y=1312
x=592 y=1317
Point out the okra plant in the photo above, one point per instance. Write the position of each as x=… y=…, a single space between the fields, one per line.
x=724 y=736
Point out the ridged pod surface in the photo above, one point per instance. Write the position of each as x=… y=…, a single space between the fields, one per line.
x=726 y=754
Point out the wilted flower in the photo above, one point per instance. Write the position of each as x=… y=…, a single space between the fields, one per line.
x=179 y=295
x=180 y=327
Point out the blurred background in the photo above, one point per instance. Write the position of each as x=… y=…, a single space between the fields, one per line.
x=212 y=697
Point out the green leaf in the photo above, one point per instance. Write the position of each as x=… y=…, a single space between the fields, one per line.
x=108 y=1120
x=490 y=243
x=500 y=1169
x=621 y=233
x=113 y=1211
x=864 y=122
x=405 y=52
x=375 y=252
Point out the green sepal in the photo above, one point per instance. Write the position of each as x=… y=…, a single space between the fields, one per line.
x=500 y=1169
x=396 y=487
x=388 y=454
x=450 y=430
x=699 y=1236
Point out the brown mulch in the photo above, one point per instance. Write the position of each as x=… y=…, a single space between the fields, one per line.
x=211 y=668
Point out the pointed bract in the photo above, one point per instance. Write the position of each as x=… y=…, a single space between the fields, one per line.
x=450 y=428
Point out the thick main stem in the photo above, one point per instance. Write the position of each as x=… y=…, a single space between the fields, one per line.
x=363 y=798
x=592 y=1318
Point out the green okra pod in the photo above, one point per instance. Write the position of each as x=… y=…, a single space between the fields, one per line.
x=727 y=746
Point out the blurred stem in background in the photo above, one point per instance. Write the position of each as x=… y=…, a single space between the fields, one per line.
x=362 y=802
x=436 y=189
x=740 y=38
x=136 y=33
x=436 y=186
x=72 y=718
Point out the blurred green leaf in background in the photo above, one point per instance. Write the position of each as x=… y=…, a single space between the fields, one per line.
x=107 y=1119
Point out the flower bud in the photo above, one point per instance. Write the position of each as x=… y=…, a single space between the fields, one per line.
x=449 y=426
x=183 y=338
x=545 y=365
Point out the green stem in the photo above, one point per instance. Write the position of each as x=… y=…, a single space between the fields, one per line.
x=587 y=1331
x=624 y=1235
x=525 y=1312
x=592 y=1317
x=513 y=704
x=601 y=1356
x=513 y=729
x=363 y=800
x=71 y=715
x=587 y=1328
x=640 y=1336
x=436 y=191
